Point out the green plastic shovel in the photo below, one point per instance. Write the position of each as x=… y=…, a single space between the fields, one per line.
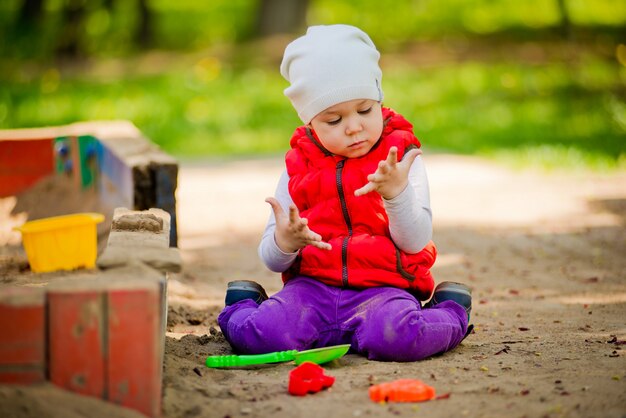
x=316 y=355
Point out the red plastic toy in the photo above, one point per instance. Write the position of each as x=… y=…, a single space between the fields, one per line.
x=403 y=390
x=308 y=378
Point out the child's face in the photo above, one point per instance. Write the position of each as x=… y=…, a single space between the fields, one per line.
x=349 y=129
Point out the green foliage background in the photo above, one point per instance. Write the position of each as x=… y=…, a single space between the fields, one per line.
x=496 y=78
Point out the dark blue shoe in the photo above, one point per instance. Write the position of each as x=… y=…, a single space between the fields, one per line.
x=244 y=289
x=457 y=292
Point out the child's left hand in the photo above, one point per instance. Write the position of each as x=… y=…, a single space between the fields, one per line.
x=392 y=176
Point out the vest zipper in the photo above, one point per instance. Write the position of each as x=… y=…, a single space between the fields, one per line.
x=346 y=217
x=405 y=274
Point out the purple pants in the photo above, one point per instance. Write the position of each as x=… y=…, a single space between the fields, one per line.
x=382 y=323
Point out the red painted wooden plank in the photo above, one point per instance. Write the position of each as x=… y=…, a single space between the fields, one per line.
x=22 y=335
x=134 y=347
x=76 y=340
x=23 y=163
x=22 y=376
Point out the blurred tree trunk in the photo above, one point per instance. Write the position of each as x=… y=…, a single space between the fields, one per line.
x=565 y=25
x=27 y=26
x=281 y=16
x=72 y=29
x=30 y=13
x=144 y=33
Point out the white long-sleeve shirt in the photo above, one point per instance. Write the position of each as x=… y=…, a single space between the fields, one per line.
x=410 y=219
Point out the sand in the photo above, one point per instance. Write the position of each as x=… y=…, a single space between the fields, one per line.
x=545 y=255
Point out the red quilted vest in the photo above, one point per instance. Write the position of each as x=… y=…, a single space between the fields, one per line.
x=363 y=255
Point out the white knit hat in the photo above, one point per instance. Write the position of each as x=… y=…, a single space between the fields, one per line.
x=330 y=65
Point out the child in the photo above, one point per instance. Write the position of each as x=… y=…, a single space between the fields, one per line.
x=351 y=224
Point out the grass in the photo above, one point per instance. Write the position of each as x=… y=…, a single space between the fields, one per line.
x=480 y=77
x=553 y=114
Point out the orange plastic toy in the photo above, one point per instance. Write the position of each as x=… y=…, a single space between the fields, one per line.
x=403 y=390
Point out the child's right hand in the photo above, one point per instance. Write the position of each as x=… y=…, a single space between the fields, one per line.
x=392 y=176
x=292 y=232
